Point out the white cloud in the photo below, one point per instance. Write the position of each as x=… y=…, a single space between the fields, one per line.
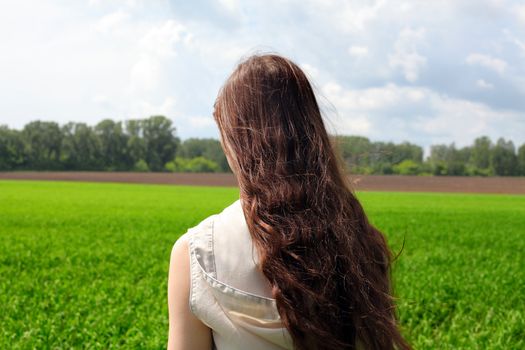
x=356 y=124
x=469 y=120
x=519 y=10
x=512 y=38
x=123 y=58
x=145 y=108
x=355 y=16
x=103 y=101
x=405 y=55
x=482 y=84
x=145 y=73
x=201 y=122
x=94 y=2
x=112 y=22
x=358 y=51
x=160 y=39
x=150 y=47
x=131 y=4
x=219 y=54
x=348 y=16
x=393 y=112
x=520 y=44
x=231 y=6
x=487 y=61
x=374 y=98
x=310 y=70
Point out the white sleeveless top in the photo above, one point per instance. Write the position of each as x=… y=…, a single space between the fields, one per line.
x=228 y=292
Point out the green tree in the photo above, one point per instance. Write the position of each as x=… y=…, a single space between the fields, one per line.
x=503 y=158
x=480 y=154
x=81 y=148
x=11 y=149
x=141 y=166
x=136 y=145
x=521 y=160
x=446 y=160
x=192 y=165
x=202 y=165
x=407 y=167
x=363 y=156
x=382 y=169
x=178 y=165
x=408 y=151
x=113 y=142
x=438 y=159
x=206 y=147
x=42 y=145
x=383 y=153
x=355 y=150
x=160 y=141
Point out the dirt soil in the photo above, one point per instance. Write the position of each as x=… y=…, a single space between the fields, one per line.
x=510 y=185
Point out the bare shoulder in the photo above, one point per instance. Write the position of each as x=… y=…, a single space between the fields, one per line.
x=185 y=330
x=179 y=270
x=181 y=247
x=180 y=259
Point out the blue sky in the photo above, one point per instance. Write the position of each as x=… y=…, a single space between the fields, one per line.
x=423 y=71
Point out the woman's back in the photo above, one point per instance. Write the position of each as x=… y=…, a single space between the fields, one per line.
x=228 y=292
x=327 y=265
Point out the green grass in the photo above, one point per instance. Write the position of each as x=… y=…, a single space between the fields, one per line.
x=84 y=265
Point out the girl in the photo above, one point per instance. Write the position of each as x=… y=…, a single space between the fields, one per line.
x=294 y=263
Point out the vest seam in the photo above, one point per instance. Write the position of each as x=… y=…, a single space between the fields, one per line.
x=212 y=280
x=193 y=273
x=211 y=247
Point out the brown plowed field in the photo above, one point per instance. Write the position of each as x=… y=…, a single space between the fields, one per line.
x=510 y=185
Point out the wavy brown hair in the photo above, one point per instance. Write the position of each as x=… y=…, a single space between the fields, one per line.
x=329 y=267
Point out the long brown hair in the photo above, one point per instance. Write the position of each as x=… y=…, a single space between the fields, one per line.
x=329 y=267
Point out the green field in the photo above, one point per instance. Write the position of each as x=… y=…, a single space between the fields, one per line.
x=84 y=265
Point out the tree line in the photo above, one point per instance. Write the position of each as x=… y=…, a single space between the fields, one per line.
x=482 y=158
x=147 y=144
x=151 y=144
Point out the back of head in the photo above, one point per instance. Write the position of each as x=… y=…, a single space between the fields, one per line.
x=328 y=266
